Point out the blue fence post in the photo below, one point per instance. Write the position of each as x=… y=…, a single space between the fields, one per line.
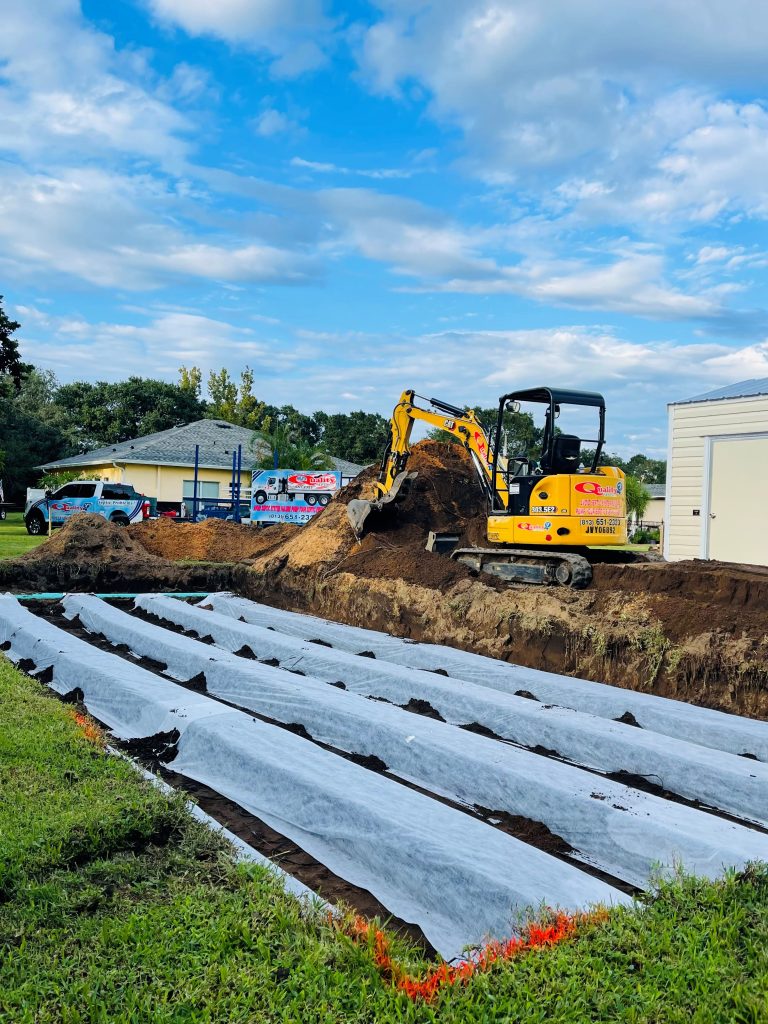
x=239 y=482
x=232 y=481
x=194 y=485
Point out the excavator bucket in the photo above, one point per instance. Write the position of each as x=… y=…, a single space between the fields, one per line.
x=359 y=510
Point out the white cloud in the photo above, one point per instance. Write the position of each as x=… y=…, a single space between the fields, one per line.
x=293 y=32
x=157 y=347
x=117 y=231
x=370 y=369
x=273 y=122
x=65 y=91
x=381 y=174
x=583 y=100
x=629 y=282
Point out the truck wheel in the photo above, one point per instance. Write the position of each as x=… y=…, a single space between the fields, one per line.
x=119 y=519
x=260 y=497
x=310 y=498
x=2 y=513
x=35 y=524
x=323 y=499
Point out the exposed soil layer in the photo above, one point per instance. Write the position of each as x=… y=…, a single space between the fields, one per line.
x=695 y=630
x=212 y=540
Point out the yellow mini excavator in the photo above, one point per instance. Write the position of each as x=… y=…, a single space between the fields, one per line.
x=545 y=516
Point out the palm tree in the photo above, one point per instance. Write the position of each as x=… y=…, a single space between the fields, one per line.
x=286 y=450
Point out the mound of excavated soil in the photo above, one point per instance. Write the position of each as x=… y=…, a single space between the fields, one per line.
x=87 y=538
x=212 y=540
x=88 y=553
x=445 y=496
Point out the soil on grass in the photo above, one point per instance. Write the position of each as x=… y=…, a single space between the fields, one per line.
x=212 y=540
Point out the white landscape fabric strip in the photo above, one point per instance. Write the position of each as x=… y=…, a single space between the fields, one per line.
x=730 y=783
x=660 y=714
x=134 y=708
x=460 y=880
x=243 y=853
x=618 y=829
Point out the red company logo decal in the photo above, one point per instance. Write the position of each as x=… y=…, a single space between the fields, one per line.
x=481 y=445
x=64 y=506
x=590 y=487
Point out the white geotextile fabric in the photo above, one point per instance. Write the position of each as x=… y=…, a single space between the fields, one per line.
x=619 y=829
x=137 y=707
x=725 y=781
x=243 y=853
x=660 y=714
x=457 y=878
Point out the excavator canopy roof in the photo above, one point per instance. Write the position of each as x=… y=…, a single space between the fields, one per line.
x=557 y=396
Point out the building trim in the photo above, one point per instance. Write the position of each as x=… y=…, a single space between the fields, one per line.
x=668 y=491
x=722 y=398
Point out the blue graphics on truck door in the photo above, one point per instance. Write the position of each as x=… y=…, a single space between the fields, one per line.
x=117 y=502
x=70 y=499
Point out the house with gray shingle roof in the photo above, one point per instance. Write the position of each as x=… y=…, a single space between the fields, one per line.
x=161 y=465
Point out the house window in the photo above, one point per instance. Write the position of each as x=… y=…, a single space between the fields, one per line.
x=205 y=489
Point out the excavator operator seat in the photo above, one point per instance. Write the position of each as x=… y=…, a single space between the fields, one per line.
x=566 y=454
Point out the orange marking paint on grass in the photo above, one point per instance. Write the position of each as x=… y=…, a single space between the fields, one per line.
x=88 y=728
x=536 y=936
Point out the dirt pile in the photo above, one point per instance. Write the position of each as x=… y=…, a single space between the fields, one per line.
x=90 y=538
x=690 y=595
x=88 y=553
x=212 y=540
x=445 y=496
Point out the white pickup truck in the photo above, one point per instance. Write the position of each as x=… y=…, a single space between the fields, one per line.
x=121 y=504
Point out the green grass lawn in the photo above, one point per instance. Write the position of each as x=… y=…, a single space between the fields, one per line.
x=116 y=906
x=14 y=539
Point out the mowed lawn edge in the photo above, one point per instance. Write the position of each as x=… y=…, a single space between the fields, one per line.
x=14 y=539
x=117 y=906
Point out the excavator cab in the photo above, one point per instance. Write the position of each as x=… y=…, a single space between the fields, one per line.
x=560 y=453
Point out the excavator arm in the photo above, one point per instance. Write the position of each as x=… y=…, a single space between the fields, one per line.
x=394 y=479
x=545 y=517
x=462 y=424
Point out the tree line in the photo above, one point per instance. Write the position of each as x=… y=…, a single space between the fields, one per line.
x=42 y=420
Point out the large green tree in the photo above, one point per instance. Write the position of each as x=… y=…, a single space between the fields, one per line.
x=29 y=439
x=647 y=470
x=230 y=401
x=103 y=413
x=10 y=360
x=519 y=433
x=356 y=436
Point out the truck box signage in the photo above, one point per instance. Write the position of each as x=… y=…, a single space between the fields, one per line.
x=291 y=496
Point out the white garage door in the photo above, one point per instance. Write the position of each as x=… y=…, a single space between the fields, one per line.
x=738 y=525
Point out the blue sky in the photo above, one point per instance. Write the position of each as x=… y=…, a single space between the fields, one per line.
x=461 y=197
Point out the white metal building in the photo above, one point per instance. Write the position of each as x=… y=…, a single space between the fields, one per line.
x=717 y=476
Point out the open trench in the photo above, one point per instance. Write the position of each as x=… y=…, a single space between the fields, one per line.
x=233 y=675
